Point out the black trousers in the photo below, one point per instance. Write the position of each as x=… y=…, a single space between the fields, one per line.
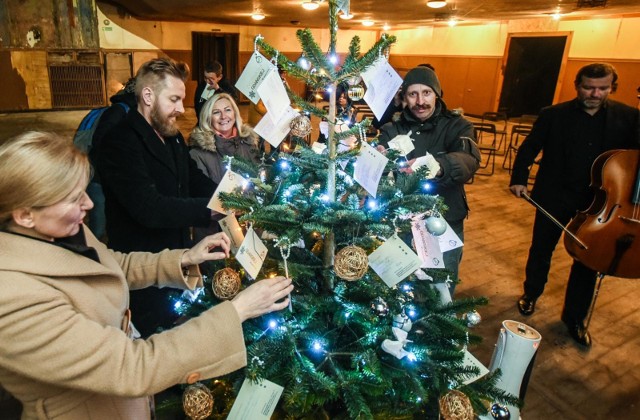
x=582 y=280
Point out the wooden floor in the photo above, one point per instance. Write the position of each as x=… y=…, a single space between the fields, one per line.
x=567 y=382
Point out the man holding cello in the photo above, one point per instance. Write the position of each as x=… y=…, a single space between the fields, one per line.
x=571 y=136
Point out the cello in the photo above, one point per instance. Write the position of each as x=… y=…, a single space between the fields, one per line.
x=606 y=236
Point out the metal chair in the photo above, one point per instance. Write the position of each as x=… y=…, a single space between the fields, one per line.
x=518 y=133
x=486 y=131
x=500 y=121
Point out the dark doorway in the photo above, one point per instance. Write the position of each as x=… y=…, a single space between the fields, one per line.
x=220 y=47
x=531 y=74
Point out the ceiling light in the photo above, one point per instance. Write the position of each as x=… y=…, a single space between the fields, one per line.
x=311 y=4
x=367 y=23
x=345 y=16
x=257 y=15
x=386 y=27
x=436 y=4
x=453 y=22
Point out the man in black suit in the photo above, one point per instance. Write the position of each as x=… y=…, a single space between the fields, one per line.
x=571 y=136
x=214 y=82
x=154 y=191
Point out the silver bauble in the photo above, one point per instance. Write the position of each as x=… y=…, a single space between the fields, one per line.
x=435 y=225
x=473 y=318
x=355 y=93
x=402 y=321
x=380 y=307
x=499 y=411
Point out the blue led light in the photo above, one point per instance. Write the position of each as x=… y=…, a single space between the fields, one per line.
x=316 y=346
x=284 y=164
x=273 y=324
x=373 y=204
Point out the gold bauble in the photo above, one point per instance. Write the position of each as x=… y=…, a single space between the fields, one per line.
x=197 y=401
x=351 y=263
x=356 y=92
x=300 y=126
x=455 y=405
x=226 y=283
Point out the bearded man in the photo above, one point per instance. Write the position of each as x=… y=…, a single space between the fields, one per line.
x=154 y=191
x=446 y=140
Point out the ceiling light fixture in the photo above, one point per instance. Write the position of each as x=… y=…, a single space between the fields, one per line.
x=386 y=27
x=311 y=4
x=257 y=15
x=345 y=16
x=453 y=22
x=436 y=4
x=367 y=22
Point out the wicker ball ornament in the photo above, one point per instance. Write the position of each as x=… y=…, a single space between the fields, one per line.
x=300 y=126
x=197 y=401
x=226 y=283
x=351 y=263
x=455 y=405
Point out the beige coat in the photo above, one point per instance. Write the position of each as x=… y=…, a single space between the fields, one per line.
x=63 y=348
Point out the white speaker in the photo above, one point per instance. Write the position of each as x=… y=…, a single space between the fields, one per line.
x=514 y=355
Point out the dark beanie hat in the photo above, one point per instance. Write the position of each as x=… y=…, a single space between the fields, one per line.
x=423 y=76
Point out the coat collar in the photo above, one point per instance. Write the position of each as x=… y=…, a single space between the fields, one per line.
x=153 y=144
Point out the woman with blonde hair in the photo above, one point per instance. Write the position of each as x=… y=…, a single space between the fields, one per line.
x=221 y=133
x=68 y=344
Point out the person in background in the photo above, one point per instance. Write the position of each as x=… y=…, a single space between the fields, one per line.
x=213 y=83
x=571 y=136
x=344 y=106
x=154 y=191
x=446 y=139
x=66 y=332
x=121 y=103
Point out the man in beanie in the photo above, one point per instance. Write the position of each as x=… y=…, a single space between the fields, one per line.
x=444 y=140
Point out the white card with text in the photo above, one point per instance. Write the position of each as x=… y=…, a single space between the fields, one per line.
x=230 y=181
x=274 y=95
x=383 y=83
x=252 y=76
x=449 y=240
x=393 y=261
x=255 y=401
x=368 y=168
x=231 y=227
x=251 y=253
x=426 y=245
x=275 y=132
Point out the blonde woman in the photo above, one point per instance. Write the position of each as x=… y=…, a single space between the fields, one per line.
x=221 y=132
x=67 y=350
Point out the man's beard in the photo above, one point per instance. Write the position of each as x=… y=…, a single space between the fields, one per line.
x=162 y=124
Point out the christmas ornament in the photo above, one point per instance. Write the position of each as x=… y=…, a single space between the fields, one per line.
x=435 y=225
x=396 y=348
x=380 y=307
x=356 y=92
x=226 y=283
x=402 y=321
x=300 y=126
x=317 y=247
x=351 y=263
x=197 y=401
x=473 y=318
x=455 y=405
x=499 y=411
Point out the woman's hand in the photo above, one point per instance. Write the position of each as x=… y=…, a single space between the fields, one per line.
x=201 y=252
x=262 y=297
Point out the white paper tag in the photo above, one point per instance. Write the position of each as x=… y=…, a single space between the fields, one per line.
x=368 y=168
x=469 y=361
x=318 y=147
x=383 y=83
x=393 y=261
x=275 y=132
x=274 y=96
x=255 y=401
x=251 y=253
x=254 y=73
x=230 y=181
x=402 y=143
x=231 y=227
x=426 y=245
x=449 y=240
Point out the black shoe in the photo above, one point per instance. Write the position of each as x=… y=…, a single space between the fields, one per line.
x=526 y=305
x=579 y=334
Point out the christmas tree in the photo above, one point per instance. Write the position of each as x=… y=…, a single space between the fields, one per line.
x=352 y=344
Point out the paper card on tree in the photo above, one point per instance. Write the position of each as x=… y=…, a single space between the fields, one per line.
x=255 y=401
x=230 y=181
x=254 y=73
x=402 y=143
x=449 y=240
x=318 y=147
x=426 y=245
x=275 y=132
x=383 y=83
x=368 y=168
x=232 y=228
x=251 y=253
x=393 y=261
x=274 y=95
x=471 y=361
